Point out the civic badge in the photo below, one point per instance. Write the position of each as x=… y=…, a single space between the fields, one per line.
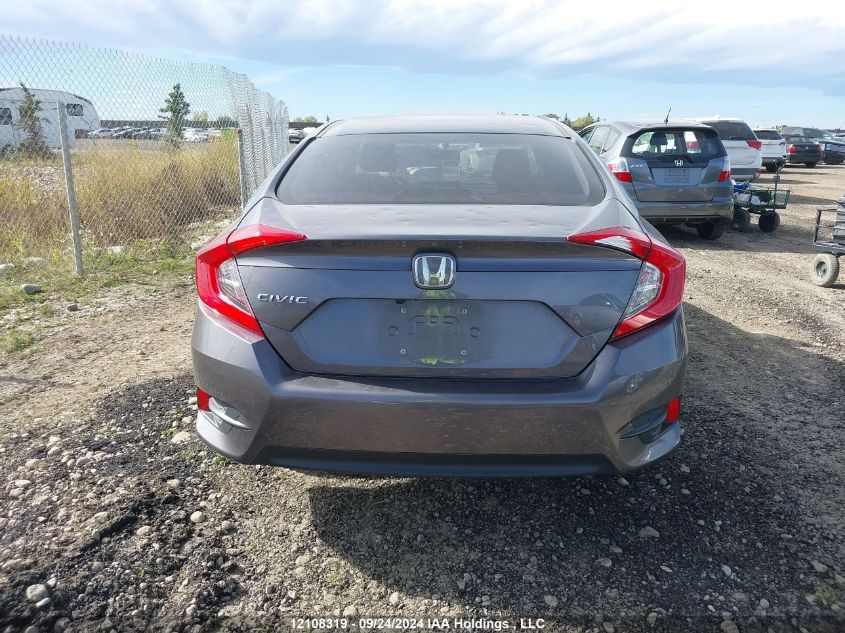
x=434 y=271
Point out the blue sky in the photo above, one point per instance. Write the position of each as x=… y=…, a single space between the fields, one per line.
x=768 y=64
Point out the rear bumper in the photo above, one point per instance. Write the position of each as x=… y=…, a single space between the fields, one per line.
x=744 y=173
x=676 y=212
x=451 y=427
x=803 y=157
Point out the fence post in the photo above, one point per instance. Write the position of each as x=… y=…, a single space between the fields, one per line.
x=241 y=168
x=71 y=191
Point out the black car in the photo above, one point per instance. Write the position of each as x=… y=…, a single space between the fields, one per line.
x=802 y=150
x=832 y=148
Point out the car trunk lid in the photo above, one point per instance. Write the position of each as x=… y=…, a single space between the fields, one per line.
x=525 y=302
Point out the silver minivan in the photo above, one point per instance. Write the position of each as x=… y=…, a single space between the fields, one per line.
x=675 y=173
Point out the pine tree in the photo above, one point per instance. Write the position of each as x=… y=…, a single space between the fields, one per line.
x=34 y=145
x=175 y=112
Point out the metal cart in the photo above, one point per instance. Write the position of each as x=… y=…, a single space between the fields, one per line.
x=826 y=263
x=762 y=200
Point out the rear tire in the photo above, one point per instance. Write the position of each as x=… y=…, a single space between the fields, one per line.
x=825 y=270
x=711 y=230
x=771 y=168
x=742 y=220
x=769 y=222
x=810 y=164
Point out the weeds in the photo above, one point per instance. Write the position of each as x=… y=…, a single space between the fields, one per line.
x=125 y=196
x=16 y=340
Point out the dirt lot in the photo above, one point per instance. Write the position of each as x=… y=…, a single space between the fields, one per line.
x=114 y=515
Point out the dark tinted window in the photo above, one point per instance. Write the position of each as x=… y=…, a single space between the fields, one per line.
x=441 y=168
x=767 y=135
x=656 y=144
x=5 y=116
x=732 y=130
x=74 y=109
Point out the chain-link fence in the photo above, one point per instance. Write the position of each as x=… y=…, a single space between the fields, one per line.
x=157 y=152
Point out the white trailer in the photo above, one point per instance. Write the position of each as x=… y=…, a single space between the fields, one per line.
x=82 y=117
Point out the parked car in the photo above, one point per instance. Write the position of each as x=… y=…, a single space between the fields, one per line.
x=102 y=132
x=773 y=148
x=800 y=150
x=833 y=149
x=195 y=135
x=743 y=147
x=360 y=318
x=126 y=132
x=295 y=136
x=674 y=172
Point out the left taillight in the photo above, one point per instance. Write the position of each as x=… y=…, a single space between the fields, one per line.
x=660 y=284
x=218 y=281
x=754 y=144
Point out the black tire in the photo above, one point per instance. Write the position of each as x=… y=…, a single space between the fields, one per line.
x=711 y=230
x=810 y=164
x=742 y=220
x=771 y=168
x=769 y=222
x=825 y=270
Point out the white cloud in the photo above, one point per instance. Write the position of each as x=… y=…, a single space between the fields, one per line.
x=533 y=36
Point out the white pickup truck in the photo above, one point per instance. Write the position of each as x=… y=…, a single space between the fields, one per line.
x=774 y=149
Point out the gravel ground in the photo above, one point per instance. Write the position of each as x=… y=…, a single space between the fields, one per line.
x=115 y=516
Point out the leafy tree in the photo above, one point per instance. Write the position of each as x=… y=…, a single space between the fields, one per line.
x=307 y=119
x=583 y=121
x=34 y=145
x=175 y=112
x=200 y=115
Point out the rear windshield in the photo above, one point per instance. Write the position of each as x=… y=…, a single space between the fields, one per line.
x=768 y=135
x=442 y=168
x=732 y=130
x=658 y=144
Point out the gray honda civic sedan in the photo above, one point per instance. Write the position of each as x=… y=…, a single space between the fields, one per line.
x=441 y=295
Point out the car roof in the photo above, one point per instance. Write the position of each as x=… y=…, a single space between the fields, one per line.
x=640 y=124
x=462 y=123
x=734 y=119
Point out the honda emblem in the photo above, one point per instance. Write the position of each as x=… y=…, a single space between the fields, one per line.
x=434 y=271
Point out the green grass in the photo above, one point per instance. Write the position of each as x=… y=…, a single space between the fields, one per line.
x=825 y=596
x=140 y=265
x=16 y=340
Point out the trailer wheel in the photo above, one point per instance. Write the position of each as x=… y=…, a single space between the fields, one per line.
x=742 y=220
x=710 y=230
x=771 y=168
x=769 y=222
x=825 y=270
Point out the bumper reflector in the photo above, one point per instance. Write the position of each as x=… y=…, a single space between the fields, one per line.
x=673 y=410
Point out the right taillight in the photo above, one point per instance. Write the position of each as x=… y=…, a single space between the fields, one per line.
x=724 y=175
x=619 y=168
x=218 y=281
x=791 y=149
x=660 y=284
